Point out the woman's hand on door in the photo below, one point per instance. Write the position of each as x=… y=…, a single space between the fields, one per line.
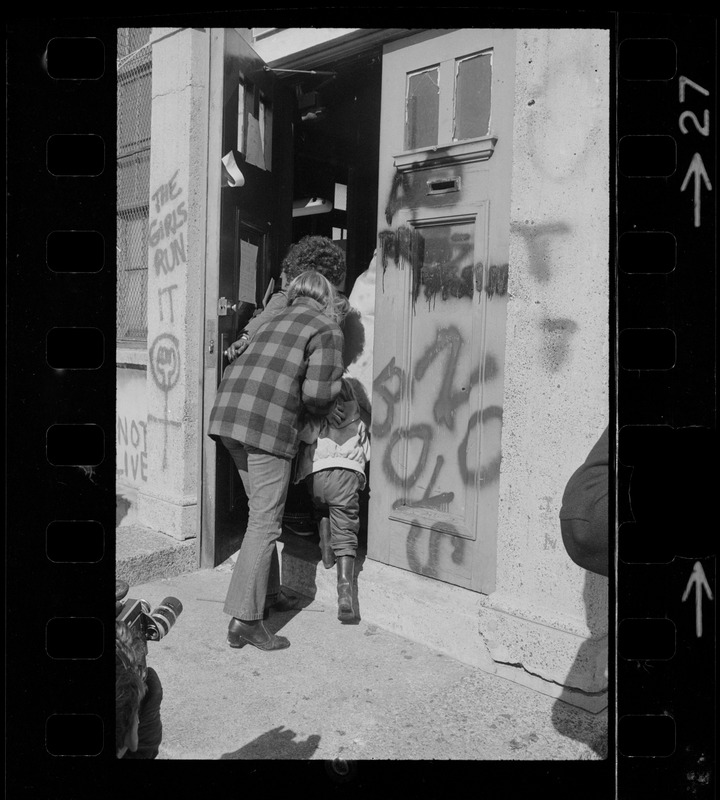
x=237 y=348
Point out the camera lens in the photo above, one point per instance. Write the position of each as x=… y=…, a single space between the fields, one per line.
x=163 y=618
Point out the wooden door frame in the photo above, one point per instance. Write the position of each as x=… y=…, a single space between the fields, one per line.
x=210 y=282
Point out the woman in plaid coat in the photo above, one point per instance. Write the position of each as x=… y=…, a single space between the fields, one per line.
x=293 y=362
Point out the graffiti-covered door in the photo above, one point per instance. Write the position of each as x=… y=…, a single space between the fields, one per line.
x=249 y=224
x=445 y=170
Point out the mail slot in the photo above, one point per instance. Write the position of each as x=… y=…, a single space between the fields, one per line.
x=443 y=185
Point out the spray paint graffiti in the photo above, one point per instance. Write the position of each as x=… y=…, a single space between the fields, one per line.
x=395 y=201
x=441 y=501
x=496 y=282
x=435 y=453
x=537 y=240
x=164 y=361
x=442 y=264
x=558 y=333
x=168 y=252
x=166 y=192
x=163 y=237
x=436 y=538
x=402 y=244
x=167 y=290
x=447 y=401
x=390 y=397
x=131 y=440
x=422 y=432
x=447 y=274
x=438 y=448
x=491 y=471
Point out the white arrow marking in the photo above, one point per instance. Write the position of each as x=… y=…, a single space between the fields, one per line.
x=697 y=170
x=698 y=578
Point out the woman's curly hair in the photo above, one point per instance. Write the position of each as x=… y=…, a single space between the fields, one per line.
x=318 y=253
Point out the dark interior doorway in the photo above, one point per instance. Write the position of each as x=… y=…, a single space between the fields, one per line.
x=336 y=149
x=336 y=146
x=336 y=137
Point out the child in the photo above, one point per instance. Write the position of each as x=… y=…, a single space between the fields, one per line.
x=331 y=461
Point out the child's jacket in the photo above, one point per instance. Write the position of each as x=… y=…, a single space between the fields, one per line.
x=346 y=446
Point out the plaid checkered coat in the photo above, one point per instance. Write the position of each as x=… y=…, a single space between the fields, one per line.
x=292 y=360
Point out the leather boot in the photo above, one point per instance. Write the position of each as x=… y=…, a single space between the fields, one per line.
x=241 y=633
x=345 y=570
x=326 y=551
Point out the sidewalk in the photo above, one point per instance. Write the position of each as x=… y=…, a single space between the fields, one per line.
x=341 y=691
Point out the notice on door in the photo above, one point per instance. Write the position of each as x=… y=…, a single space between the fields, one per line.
x=248 y=271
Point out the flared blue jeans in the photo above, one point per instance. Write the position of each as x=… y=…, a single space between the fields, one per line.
x=256 y=575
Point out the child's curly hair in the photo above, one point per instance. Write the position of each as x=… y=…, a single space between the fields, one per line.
x=318 y=253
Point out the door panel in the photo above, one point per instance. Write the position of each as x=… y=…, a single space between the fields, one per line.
x=253 y=115
x=445 y=169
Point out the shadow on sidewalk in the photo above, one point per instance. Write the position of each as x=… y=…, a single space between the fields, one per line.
x=122 y=507
x=279 y=743
x=587 y=728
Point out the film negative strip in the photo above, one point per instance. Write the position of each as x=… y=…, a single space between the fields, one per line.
x=62 y=117
x=61 y=312
x=666 y=317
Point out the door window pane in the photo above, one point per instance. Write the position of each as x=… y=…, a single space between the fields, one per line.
x=421 y=120
x=447 y=257
x=472 y=96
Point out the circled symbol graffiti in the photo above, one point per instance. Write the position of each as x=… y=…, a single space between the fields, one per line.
x=165 y=361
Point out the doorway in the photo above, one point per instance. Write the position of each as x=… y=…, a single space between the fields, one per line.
x=327 y=157
x=405 y=150
x=335 y=177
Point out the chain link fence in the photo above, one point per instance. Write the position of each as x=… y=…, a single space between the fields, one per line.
x=134 y=103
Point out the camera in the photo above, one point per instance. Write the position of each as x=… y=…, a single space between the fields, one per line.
x=153 y=625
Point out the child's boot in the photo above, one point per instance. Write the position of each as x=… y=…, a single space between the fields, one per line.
x=345 y=570
x=326 y=551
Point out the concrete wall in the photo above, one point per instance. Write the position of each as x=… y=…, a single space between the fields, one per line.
x=176 y=264
x=556 y=401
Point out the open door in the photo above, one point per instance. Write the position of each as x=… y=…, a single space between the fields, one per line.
x=443 y=232
x=250 y=194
